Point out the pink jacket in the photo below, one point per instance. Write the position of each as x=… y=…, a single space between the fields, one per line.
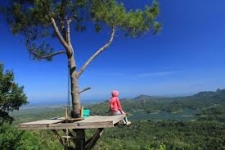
x=114 y=103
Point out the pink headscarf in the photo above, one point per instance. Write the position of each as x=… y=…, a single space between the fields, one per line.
x=115 y=93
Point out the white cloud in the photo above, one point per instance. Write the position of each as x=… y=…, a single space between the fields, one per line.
x=157 y=74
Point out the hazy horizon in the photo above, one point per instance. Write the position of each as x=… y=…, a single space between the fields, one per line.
x=60 y=101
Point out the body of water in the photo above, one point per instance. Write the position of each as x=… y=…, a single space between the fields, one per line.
x=185 y=115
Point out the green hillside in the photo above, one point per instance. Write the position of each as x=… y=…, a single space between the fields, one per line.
x=181 y=123
x=151 y=104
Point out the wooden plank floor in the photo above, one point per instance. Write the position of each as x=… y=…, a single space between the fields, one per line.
x=89 y=122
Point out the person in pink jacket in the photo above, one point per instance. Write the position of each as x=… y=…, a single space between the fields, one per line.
x=115 y=107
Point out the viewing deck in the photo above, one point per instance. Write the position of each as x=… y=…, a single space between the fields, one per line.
x=59 y=123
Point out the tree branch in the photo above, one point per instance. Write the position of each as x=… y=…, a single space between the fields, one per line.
x=63 y=42
x=44 y=56
x=68 y=38
x=103 y=48
x=47 y=56
x=88 y=88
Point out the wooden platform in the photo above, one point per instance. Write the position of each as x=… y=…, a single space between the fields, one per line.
x=90 y=122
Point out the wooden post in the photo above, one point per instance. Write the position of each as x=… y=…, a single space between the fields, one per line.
x=92 y=141
x=82 y=112
x=58 y=136
x=80 y=139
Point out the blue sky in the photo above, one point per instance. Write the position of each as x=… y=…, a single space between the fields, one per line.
x=185 y=58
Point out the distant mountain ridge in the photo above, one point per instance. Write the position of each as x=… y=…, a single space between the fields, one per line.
x=153 y=104
x=218 y=92
x=142 y=97
x=210 y=93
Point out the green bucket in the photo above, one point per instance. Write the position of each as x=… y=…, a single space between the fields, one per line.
x=86 y=113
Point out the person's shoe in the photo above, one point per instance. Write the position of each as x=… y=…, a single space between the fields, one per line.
x=128 y=123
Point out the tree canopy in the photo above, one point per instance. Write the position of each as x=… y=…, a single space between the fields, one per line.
x=35 y=18
x=11 y=95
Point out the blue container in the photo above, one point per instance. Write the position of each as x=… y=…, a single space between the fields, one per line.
x=86 y=113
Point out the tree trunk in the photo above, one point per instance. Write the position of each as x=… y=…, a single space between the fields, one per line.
x=75 y=95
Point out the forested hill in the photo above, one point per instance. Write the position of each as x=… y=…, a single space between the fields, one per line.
x=204 y=99
x=153 y=104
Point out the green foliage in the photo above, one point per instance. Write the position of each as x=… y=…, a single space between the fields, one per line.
x=149 y=135
x=11 y=95
x=13 y=139
x=133 y=22
x=33 y=19
x=212 y=113
x=48 y=140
